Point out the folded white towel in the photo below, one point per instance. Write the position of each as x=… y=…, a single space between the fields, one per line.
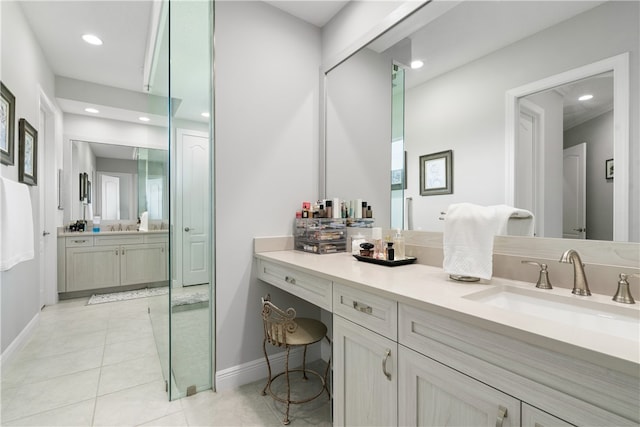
x=468 y=237
x=16 y=224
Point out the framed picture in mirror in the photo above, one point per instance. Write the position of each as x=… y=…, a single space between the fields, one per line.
x=28 y=153
x=436 y=173
x=608 y=169
x=7 y=125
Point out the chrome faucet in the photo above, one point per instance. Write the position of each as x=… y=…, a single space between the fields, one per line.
x=580 y=285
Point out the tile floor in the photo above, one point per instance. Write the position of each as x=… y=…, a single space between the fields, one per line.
x=98 y=365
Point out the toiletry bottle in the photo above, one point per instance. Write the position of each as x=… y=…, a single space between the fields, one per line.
x=328 y=208
x=398 y=244
x=364 y=209
x=369 y=212
x=390 y=251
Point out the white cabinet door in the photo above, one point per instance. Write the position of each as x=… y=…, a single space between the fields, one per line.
x=143 y=263
x=365 y=376
x=534 y=417
x=92 y=267
x=432 y=394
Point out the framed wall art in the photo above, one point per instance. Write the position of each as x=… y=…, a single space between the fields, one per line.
x=7 y=125
x=608 y=169
x=28 y=153
x=436 y=173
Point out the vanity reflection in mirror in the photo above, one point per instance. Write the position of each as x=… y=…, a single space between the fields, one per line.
x=126 y=181
x=476 y=80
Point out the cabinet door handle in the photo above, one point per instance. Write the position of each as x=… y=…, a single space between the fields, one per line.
x=363 y=308
x=116 y=252
x=502 y=414
x=122 y=253
x=291 y=280
x=387 y=354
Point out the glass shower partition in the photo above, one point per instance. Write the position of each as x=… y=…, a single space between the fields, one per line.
x=181 y=79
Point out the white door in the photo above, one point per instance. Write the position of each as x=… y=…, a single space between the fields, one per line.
x=574 y=193
x=110 y=197
x=195 y=207
x=47 y=178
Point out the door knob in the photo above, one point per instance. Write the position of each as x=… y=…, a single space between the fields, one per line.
x=45 y=233
x=187 y=229
x=580 y=230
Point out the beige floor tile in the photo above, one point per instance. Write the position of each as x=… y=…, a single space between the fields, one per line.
x=134 y=406
x=31 y=399
x=176 y=419
x=130 y=333
x=36 y=349
x=77 y=414
x=127 y=350
x=129 y=373
x=45 y=368
x=228 y=408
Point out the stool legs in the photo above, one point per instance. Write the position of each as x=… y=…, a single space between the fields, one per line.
x=266 y=356
x=286 y=370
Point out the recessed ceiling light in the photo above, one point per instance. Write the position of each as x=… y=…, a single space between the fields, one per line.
x=91 y=39
x=205 y=114
x=585 y=97
x=144 y=119
x=91 y=110
x=416 y=64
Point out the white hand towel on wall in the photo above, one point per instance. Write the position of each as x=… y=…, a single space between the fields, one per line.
x=16 y=224
x=468 y=237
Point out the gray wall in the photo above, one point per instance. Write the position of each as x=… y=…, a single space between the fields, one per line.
x=359 y=132
x=20 y=287
x=597 y=133
x=266 y=157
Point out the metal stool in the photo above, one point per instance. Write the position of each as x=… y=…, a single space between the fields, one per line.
x=282 y=329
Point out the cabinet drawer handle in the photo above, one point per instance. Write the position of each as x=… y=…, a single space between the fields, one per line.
x=363 y=308
x=79 y=241
x=291 y=280
x=502 y=414
x=387 y=354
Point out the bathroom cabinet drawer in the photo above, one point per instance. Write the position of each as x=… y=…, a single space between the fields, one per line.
x=314 y=289
x=371 y=311
x=119 y=240
x=74 y=242
x=156 y=238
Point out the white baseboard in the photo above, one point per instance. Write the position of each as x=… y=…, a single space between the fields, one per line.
x=255 y=370
x=19 y=341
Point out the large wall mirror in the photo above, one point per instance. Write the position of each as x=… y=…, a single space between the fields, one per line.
x=126 y=181
x=475 y=55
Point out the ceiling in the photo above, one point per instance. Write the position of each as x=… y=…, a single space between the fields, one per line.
x=460 y=32
x=111 y=77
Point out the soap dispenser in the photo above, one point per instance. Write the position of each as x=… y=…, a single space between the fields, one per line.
x=398 y=245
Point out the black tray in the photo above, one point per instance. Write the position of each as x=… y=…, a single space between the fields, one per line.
x=407 y=260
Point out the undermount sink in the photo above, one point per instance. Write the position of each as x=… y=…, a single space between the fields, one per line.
x=571 y=310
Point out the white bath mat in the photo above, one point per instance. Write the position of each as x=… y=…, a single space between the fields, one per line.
x=127 y=295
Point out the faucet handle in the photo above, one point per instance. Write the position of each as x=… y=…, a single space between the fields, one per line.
x=623 y=294
x=543 y=279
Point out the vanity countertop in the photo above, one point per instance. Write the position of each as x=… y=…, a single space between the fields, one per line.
x=431 y=289
x=62 y=233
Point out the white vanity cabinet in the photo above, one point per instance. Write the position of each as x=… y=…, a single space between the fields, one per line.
x=432 y=394
x=400 y=361
x=108 y=261
x=92 y=268
x=365 y=363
